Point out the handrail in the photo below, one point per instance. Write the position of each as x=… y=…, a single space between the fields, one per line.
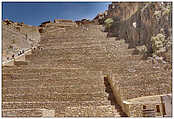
x=26 y=51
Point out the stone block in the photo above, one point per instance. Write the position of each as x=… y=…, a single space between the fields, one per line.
x=20 y=63
x=9 y=114
x=48 y=113
x=10 y=63
x=167 y=100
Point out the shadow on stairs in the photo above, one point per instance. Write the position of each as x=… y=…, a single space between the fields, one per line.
x=112 y=99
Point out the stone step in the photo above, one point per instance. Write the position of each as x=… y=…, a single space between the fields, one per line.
x=50 y=77
x=51 y=80
x=70 y=39
x=92 y=111
x=83 y=110
x=73 y=39
x=71 y=61
x=47 y=83
x=57 y=79
x=53 y=89
x=64 y=45
x=89 y=65
x=62 y=71
x=17 y=63
x=51 y=42
x=55 y=97
x=64 y=57
x=36 y=84
x=51 y=104
x=69 y=64
x=50 y=71
x=67 y=51
x=44 y=68
x=22 y=112
x=59 y=47
x=59 y=74
x=87 y=112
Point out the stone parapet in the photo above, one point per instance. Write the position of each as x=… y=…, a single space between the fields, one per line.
x=160 y=105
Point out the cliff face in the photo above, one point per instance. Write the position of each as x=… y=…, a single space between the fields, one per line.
x=137 y=23
x=122 y=10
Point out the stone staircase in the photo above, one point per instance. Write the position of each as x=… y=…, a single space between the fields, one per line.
x=64 y=79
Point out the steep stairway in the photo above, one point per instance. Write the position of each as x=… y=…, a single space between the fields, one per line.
x=63 y=79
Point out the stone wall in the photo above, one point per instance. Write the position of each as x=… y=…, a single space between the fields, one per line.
x=84 y=22
x=133 y=94
x=62 y=20
x=160 y=105
x=142 y=106
x=58 y=23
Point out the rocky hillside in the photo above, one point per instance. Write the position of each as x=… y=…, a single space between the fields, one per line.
x=17 y=37
x=144 y=26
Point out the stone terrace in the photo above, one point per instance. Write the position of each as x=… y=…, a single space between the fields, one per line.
x=66 y=77
x=59 y=78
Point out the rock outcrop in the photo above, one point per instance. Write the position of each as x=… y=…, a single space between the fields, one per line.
x=137 y=23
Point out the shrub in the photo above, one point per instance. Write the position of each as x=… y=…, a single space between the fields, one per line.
x=158 y=44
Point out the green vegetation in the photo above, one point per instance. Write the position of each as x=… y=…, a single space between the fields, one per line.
x=107 y=23
x=158 y=44
x=166 y=11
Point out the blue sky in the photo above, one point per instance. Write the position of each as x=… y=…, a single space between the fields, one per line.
x=34 y=13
